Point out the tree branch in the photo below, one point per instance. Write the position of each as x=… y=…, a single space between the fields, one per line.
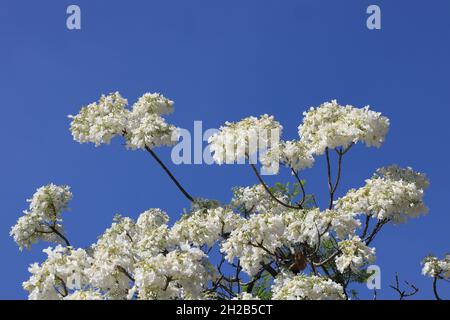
x=180 y=187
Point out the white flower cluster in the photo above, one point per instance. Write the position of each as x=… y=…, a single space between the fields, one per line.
x=302 y=287
x=142 y=127
x=293 y=154
x=256 y=240
x=204 y=227
x=85 y=295
x=44 y=213
x=63 y=268
x=435 y=268
x=112 y=255
x=332 y=125
x=396 y=173
x=236 y=140
x=246 y=296
x=180 y=274
x=100 y=121
x=140 y=252
x=354 y=254
x=387 y=195
x=255 y=199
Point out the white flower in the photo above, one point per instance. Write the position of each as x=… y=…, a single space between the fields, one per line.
x=153 y=103
x=151 y=130
x=332 y=125
x=396 y=173
x=179 y=274
x=43 y=216
x=293 y=154
x=100 y=121
x=305 y=226
x=142 y=127
x=385 y=198
x=152 y=233
x=252 y=241
x=354 y=254
x=236 y=140
x=85 y=295
x=112 y=255
x=302 y=287
x=245 y=296
x=64 y=269
x=255 y=199
x=435 y=268
x=204 y=226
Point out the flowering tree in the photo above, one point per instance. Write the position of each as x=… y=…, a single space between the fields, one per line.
x=268 y=242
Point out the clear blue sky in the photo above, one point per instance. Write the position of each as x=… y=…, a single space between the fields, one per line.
x=218 y=60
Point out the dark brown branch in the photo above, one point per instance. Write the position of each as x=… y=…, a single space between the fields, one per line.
x=402 y=293
x=436 y=294
x=59 y=234
x=125 y=272
x=255 y=170
x=302 y=188
x=180 y=187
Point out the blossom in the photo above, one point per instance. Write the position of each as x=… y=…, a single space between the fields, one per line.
x=435 y=268
x=182 y=273
x=43 y=217
x=149 y=129
x=236 y=140
x=246 y=296
x=152 y=233
x=113 y=259
x=293 y=154
x=85 y=295
x=308 y=226
x=256 y=199
x=354 y=254
x=385 y=197
x=254 y=241
x=142 y=127
x=396 y=173
x=63 y=268
x=153 y=103
x=204 y=226
x=303 y=287
x=332 y=125
x=100 y=121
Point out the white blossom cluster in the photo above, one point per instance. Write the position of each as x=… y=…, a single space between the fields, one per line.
x=88 y=294
x=332 y=125
x=386 y=196
x=142 y=126
x=204 y=227
x=237 y=140
x=303 y=287
x=130 y=260
x=435 y=268
x=64 y=267
x=256 y=240
x=396 y=173
x=354 y=254
x=246 y=296
x=293 y=154
x=255 y=199
x=44 y=213
x=180 y=274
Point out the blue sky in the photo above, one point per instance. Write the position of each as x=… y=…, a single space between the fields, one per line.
x=219 y=61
